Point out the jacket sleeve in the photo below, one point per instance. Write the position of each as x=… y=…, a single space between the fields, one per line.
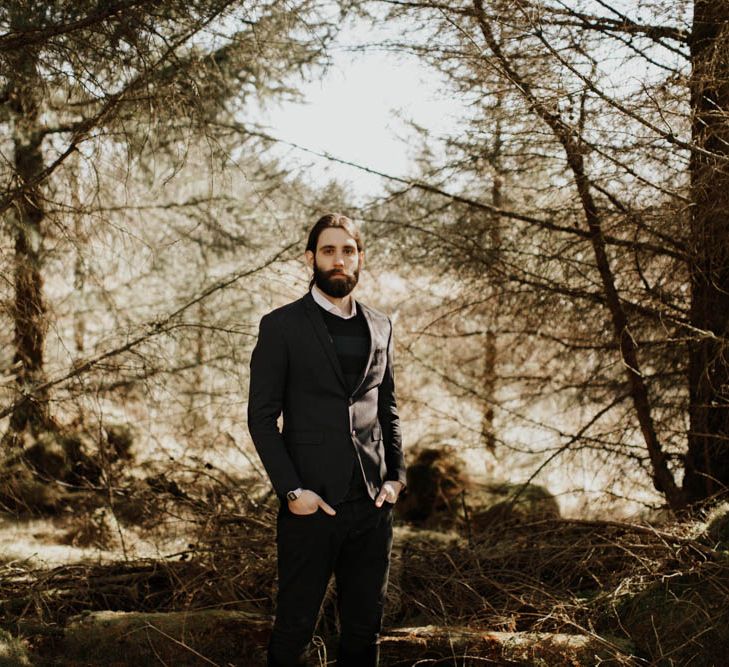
x=390 y=420
x=269 y=366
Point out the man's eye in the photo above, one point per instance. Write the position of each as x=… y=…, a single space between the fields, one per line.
x=349 y=251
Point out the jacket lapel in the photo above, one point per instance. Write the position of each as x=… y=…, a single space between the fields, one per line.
x=317 y=321
x=371 y=327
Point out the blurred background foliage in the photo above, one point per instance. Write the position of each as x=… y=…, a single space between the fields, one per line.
x=555 y=263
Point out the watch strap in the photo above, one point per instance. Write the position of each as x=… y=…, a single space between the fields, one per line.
x=294 y=494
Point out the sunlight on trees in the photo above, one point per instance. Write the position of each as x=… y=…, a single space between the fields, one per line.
x=605 y=255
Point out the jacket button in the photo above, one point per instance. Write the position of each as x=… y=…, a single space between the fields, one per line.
x=354 y=433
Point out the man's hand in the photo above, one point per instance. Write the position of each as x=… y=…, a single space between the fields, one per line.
x=389 y=492
x=308 y=503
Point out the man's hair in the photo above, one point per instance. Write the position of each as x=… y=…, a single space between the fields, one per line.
x=334 y=220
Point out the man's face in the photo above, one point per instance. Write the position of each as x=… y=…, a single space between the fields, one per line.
x=337 y=262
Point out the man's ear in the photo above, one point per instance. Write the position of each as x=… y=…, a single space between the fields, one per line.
x=309 y=257
x=361 y=260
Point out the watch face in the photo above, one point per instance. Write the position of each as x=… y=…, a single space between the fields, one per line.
x=292 y=495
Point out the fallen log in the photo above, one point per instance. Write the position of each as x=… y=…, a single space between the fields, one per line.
x=239 y=638
x=468 y=647
x=183 y=639
x=55 y=595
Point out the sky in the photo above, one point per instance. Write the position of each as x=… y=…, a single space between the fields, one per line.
x=358 y=111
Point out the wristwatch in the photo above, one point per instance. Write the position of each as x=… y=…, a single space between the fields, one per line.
x=294 y=495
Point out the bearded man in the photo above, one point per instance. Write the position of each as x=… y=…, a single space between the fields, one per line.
x=324 y=362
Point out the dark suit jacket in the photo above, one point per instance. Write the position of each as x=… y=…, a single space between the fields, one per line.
x=326 y=429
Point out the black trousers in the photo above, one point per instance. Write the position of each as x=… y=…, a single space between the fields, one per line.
x=355 y=546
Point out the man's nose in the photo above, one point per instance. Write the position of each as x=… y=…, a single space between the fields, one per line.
x=339 y=259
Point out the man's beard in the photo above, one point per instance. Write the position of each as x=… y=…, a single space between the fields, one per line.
x=337 y=287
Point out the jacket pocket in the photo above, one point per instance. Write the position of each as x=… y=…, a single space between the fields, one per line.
x=378 y=357
x=302 y=516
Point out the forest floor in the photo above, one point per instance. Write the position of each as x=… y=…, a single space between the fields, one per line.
x=183 y=573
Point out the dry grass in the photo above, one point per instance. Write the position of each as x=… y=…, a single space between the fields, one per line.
x=552 y=575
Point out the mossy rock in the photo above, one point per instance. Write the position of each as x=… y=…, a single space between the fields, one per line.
x=436 y=481
x=48 y=457
x=23 y=490
x=683 y=619
x=717 y=527
x=12 y=651
x=64 y=456
x=40 y=475
x=495 y=505
x=441 y=495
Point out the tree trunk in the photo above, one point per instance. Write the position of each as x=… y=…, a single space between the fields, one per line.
x=707 y=460
x=488 y=432
x=571 y=142
x=26 y=218
x=79 y=265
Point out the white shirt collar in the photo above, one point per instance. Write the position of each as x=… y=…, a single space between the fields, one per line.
x=327 y=305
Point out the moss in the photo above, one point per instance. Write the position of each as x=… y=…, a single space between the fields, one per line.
x=441 y=495
x=12 y=651
x=685 y=617
x=23 y=490
x=717 y=527
x=176 y=638
x=511 y=504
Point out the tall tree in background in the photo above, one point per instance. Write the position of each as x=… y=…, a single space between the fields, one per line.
x=90 y=79
x=23 y=93
x=615 y=128
x=707 y=461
